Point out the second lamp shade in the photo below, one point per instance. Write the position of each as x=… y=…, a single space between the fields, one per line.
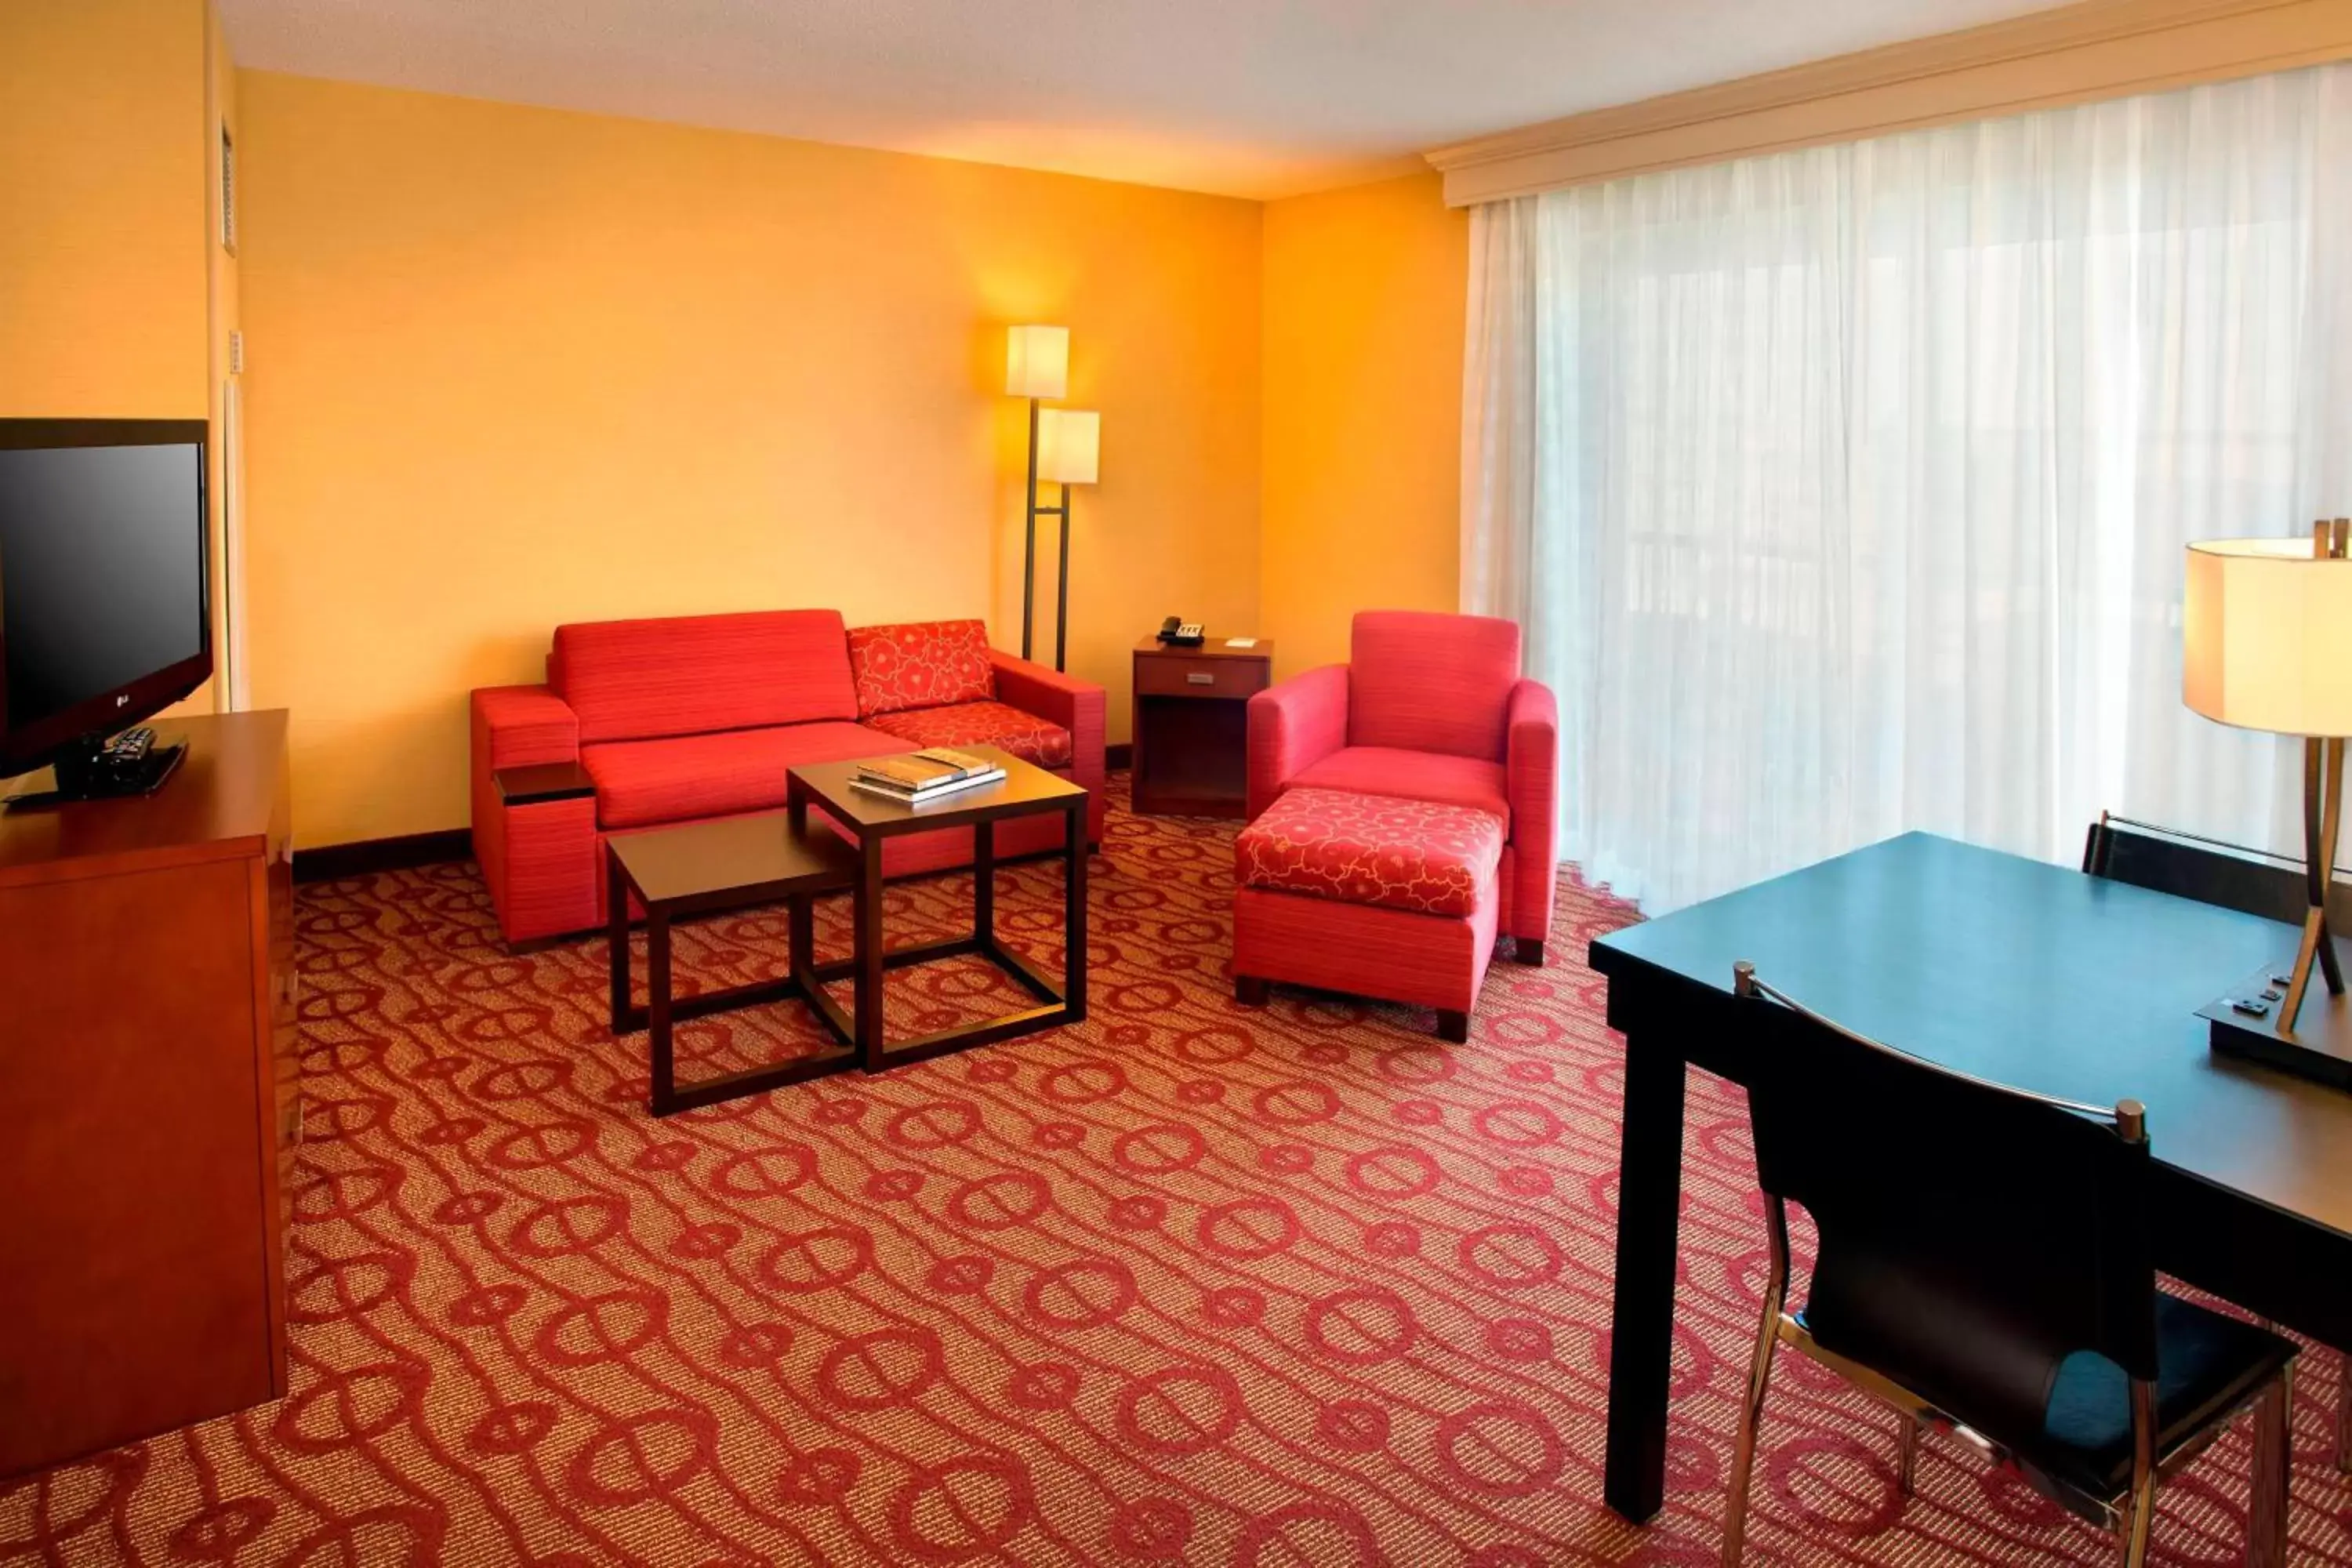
x=1067 y=439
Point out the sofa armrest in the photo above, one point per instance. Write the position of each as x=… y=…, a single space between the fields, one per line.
x=1531 y=784
x=1076 y=705
x=522 y=726
x=534 y=813
x=1293 y=725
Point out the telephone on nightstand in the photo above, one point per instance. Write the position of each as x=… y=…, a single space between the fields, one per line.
x=1177 y=629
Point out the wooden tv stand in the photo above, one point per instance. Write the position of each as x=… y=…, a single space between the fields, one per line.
x=149 y=1101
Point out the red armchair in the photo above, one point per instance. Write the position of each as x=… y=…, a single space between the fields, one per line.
x=642 y=724
x=1429 y=709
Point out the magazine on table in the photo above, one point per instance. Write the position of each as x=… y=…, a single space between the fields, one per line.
x=925 y=774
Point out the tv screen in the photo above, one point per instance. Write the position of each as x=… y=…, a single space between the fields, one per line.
x=103 y=603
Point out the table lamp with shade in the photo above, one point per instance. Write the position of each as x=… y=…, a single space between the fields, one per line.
x=1068 y=448
x=2267 y=645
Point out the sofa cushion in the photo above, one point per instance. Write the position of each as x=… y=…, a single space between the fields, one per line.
x=684 y=777
x=631 y=680
x=1026 y=736
x=1412 y=855
x=1415 y=775
x=1429 y=682
x=921 y=664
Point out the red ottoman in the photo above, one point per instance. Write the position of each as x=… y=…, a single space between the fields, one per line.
x=1373 y=895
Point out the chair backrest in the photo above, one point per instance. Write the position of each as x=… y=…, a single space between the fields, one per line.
x=1429 y=682
x=685 y=675
x=1972 y=1237
x=2221 y=874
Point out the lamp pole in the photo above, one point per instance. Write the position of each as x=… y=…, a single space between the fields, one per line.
x=1068 y=453
x=1061 y=587
x=1036 y=366
x=2323 y=799
x=1029 y=544
x=1062 y=613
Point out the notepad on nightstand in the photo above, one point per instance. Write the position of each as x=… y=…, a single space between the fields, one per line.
x=1240 y=642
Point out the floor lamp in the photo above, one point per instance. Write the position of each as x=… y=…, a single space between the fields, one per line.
x=1068 y=448
x=2266 y=628
x=1036 y=364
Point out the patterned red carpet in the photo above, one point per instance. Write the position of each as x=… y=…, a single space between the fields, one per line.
x=1188 y=1284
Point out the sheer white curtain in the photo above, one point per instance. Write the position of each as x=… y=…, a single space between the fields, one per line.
x=1842 y=491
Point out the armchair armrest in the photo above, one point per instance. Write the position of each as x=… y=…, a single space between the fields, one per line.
x=1531 y=758
x=1531 y=784
x=520 y=726
x=1293 y=725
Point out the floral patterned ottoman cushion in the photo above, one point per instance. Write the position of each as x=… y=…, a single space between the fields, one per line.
x=1402 y=854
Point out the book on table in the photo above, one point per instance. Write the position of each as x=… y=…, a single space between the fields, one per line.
x=925 y=775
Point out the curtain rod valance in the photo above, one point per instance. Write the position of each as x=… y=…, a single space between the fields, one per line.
x=2100 y=48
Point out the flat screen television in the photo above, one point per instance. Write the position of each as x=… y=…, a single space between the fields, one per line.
x=105 y=594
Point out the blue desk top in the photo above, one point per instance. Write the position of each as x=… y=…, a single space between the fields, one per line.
x=2031 y=975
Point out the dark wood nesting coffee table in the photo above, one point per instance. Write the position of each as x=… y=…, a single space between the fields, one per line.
x=708 y=868
x=871 y=821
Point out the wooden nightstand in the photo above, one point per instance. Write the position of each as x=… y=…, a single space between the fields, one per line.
x=1192 y=725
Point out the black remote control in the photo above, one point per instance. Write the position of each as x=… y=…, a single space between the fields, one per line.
x=131 y=745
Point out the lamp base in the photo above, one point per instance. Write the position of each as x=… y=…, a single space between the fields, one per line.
x=2318 y=1046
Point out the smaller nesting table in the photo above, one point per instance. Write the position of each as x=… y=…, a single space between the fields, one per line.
x=711 y=868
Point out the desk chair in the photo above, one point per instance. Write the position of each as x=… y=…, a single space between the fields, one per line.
x=2234 y=877
x=2003 y=1287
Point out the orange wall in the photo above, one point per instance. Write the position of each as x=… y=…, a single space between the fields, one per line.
x=102 y=293
x=112 y=287
x=222 y=299
x=1364 y=297
x=508 y=367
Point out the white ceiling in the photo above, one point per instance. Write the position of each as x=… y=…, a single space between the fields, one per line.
x=1250 y=97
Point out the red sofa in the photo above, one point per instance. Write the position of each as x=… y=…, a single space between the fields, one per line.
x=646 y=723
x=1403 y=808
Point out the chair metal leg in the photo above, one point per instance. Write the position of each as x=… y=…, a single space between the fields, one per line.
x=2132 y=1544
x=1906 y=1455
x=1752 y=1416
x=2344 y=1413
x=2266 y=1508
x=2141 y=1510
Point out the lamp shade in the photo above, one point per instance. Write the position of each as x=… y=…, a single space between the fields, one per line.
x=2267 y=636
x=1038 y=361
x=1067 y=439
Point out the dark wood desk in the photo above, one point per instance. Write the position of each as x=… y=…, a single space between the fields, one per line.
x=2026 y=973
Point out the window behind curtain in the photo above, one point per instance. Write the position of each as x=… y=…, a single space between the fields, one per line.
x=1844 y=491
